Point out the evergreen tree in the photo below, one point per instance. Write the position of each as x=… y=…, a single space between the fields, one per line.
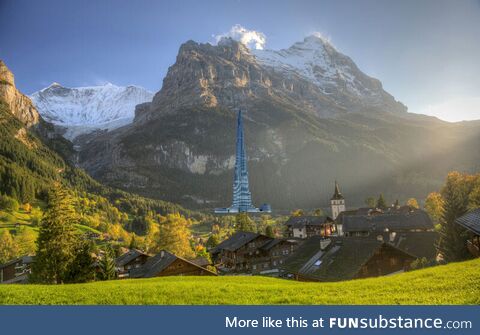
x=57 y=242
x=269 y=231
x=133 y=242
x=107 y=265
x=213 y=241
x=8 y=247
x=381 y=203
x=81 y=269
x=451 y=244
x=244 y=223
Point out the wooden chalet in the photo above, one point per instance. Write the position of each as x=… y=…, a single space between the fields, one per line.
x=340 y=258
x=390 y=222
x=308 y=226
x=167 y=264
x=16 y=271
x=130 y=260
x=471 y=222
x=247 y=252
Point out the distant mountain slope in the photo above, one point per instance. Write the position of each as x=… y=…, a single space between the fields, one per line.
x=84 y=109
x=33 y=158
x=311 y=117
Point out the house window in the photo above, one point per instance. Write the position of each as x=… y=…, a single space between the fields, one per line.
x=393 y=261
x=254 y=267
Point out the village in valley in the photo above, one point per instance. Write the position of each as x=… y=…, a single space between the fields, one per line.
x=348 y=244
x=241 y=175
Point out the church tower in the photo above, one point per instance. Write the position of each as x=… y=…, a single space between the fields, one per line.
x=337 y=202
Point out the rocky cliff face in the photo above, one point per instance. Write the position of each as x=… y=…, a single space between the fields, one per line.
x=311 y=76
x=20 y=105
x=311 y=117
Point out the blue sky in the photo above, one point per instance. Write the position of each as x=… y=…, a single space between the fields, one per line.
x=426 y=53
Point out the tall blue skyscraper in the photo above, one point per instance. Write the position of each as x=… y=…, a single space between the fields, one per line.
x=242 y=198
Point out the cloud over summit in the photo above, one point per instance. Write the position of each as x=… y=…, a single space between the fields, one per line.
x=251 y=38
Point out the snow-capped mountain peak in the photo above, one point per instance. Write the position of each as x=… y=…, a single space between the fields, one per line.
x=318 y=61
x=84 y=109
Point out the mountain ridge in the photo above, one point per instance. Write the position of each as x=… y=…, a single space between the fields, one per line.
x=82 y=110
x=180 y=146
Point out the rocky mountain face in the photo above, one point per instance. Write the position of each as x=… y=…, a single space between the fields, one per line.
x=82 y=110
x=311 y=117
x=20 y=105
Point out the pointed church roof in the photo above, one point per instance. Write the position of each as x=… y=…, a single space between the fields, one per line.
x=337 y=195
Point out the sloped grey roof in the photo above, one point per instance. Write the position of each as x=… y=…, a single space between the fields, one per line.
x=269 y=244
x=470 y=221
x=419 y=244
x=236 y=241
x=302 y=221
x=128 y=257
x=156 y=264
x=341 y=260
x=399 y=221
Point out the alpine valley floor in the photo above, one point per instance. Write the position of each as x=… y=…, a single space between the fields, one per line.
x=452 y=284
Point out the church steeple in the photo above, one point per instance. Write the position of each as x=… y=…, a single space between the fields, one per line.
x=337 y=202
x=337 y=195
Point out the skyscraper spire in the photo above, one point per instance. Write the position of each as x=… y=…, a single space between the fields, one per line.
x=242 y=198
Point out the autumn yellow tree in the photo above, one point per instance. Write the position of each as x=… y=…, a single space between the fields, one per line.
x=25 y=240
x=412 y=202
x=297 y=212
x=434 y=206
x=174 y=236
x=8 y=247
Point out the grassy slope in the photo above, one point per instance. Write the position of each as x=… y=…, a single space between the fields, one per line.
x=457 y=283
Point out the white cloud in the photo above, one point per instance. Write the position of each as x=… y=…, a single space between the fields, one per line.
x=456 y=109
x=323 y=37
x=251 y=38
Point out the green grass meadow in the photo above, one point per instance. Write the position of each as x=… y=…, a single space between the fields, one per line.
x=453 y=284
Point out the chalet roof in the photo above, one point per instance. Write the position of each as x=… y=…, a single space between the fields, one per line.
x=342 y=259
x=419 y=244
x=275 y=241
x=23 y=259
x=302 y=221
x=470 y=221
x=418 y=219
x=358 y=211
x=236 y=241
x=201 y=261
x=128 y=257
x=156 y=264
